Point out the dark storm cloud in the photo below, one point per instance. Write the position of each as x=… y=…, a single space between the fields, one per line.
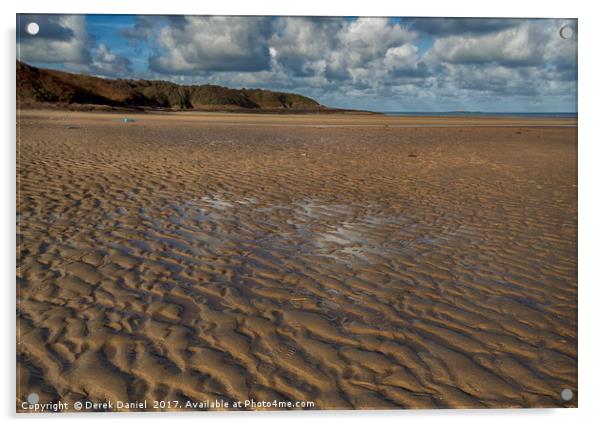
x=333 y=73
x=496 y=80
x=418 y=72
x=459 y=26
x=146 y=25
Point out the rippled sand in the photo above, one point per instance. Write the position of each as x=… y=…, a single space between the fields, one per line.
x=375 y=266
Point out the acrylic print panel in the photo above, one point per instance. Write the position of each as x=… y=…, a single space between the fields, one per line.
x=295 y=213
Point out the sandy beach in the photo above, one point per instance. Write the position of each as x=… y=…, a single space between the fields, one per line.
x=354 y=261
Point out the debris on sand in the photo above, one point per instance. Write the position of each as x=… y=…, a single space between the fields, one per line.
x=412 y=155
x=128 y=120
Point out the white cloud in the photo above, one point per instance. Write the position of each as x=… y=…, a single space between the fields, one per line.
x=367 y=39
x=376 y=63
x=106 y=63
x=339 y=50
x=301 y=42
x=401 y=57
x=531 y=42
x=371 y=62
x=215 y=43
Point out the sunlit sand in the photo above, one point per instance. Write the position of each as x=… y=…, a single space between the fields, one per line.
x=350 y=260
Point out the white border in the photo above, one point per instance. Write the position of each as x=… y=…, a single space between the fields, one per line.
x=590 y=212
x=506 y=8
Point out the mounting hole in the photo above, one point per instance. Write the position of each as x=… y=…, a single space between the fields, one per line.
x=566 y=32
x=566 y=394
x=32 y=28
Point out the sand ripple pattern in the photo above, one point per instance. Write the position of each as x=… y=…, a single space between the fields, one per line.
x=189 y=262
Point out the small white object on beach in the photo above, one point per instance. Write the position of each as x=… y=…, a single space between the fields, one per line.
x=128 y=120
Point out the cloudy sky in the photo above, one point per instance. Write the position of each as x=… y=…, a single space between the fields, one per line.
x=380 y=64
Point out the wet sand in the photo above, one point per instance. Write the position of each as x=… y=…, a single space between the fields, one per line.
x=351 y=261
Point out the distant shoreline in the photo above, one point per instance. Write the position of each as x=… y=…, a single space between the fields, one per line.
x=309 y=119
x=483 y=114
x=333 y=112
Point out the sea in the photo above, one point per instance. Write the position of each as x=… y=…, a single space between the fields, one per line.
x=480 y=113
